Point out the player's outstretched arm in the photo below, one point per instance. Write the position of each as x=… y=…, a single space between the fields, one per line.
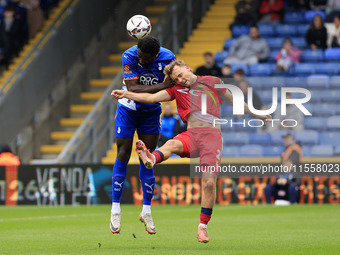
x=148 y=98
x=133 y=86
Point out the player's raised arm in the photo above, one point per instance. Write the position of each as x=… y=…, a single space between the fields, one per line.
x=133 y=86
x=148 y=98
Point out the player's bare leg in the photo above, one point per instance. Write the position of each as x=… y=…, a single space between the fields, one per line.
x=124 y=146
x=208 y=201
x=147 y=178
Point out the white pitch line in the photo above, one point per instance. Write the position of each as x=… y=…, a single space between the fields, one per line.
x=51 y=217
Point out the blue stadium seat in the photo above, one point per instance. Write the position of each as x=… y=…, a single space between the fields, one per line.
x=304 y=69
x=321 y=151
x=331 y=96
x=312 y=56
x=299 y=42
x=230 y=151
x=294 y=17
x=323 y=109
x=273 y=81
x=245 y=68
x=251 y=150
x=330 y=138
x=335 y=82
x=296 y=82
x=239 y=30
x=307 y=137
x=333 y=123
x=255 y=82
x=318 y=81
x=220 y=56
x=266 y=30
x=309 y=15
x=272 y=151
x=228 y=43
x=302 y=29
x=332 y=55
x=272 y=56
x=305 y=151
x=277 y=136
x=235 y=138
x=238 y=125
x=317 y=123
x=337 y=150
x=267 y=96
x=275 y=43
x=261 y=69
x=261 y=139
x=286 y=30
x=327 y=68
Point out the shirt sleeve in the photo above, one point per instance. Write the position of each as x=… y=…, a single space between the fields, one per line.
x=171 y=92
x=129 y=67
x=220 y=91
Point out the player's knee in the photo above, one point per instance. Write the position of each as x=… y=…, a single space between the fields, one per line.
x=123 y=154
x=209 y=184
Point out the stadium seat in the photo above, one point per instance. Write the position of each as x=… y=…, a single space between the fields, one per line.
x=266 y=30
x=275 y=43
x=302 y=29
x=335 y=82
x=239 y=30
x=331 y=96
x=260 y=139
x=307 y=137
x=277 y=136
x=304 y=69
x=312 y=56
x=236 y=138
x=220 y=56
x=327 y=68
x=227 y=44
x=230 y=151
x=296 y=82
x=323 y=109
x=318 y=81
x=317 y=123
x=267 y=96
x=272 y=151
x=330 y=138
x=272 y=56
x=261 y=69
x=337 y=150
x=251 y=150
x=273 y=81
x=321 y=151
x=294 y=17
x=332 y=55
x=309 y=15
x=299 y=42
x=244 y=67
x=333 y=123
x=305 y=151
x=286 y=30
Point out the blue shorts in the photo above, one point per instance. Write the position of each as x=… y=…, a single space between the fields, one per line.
x=127 y=121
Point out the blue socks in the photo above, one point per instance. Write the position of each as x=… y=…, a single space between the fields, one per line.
x=118 y=178
x=147 y=178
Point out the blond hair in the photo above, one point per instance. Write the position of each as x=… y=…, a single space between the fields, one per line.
x=170 y=68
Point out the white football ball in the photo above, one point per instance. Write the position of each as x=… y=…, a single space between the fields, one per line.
x=138 y=26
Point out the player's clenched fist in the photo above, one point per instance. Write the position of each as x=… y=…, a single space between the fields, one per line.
x=117 y=94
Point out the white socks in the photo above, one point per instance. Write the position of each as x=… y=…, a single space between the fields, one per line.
x=115 y=208
x=203 y=225
x=146 y=209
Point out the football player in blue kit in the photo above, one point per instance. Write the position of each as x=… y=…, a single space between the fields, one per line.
x=143 y=66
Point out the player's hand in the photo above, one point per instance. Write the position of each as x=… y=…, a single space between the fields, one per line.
x=265 y=118
x=117 y=94
x=168 y=82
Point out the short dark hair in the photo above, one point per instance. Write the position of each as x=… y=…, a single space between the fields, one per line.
x=239 y=71
x=208 y=53
x=5 y=148
x=226 y=65
x=150 y=45
x=9 y=9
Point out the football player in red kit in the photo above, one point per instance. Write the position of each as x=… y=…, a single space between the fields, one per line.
x=203 y=138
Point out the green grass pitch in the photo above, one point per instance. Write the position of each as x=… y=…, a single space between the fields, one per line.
x=298 y=229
